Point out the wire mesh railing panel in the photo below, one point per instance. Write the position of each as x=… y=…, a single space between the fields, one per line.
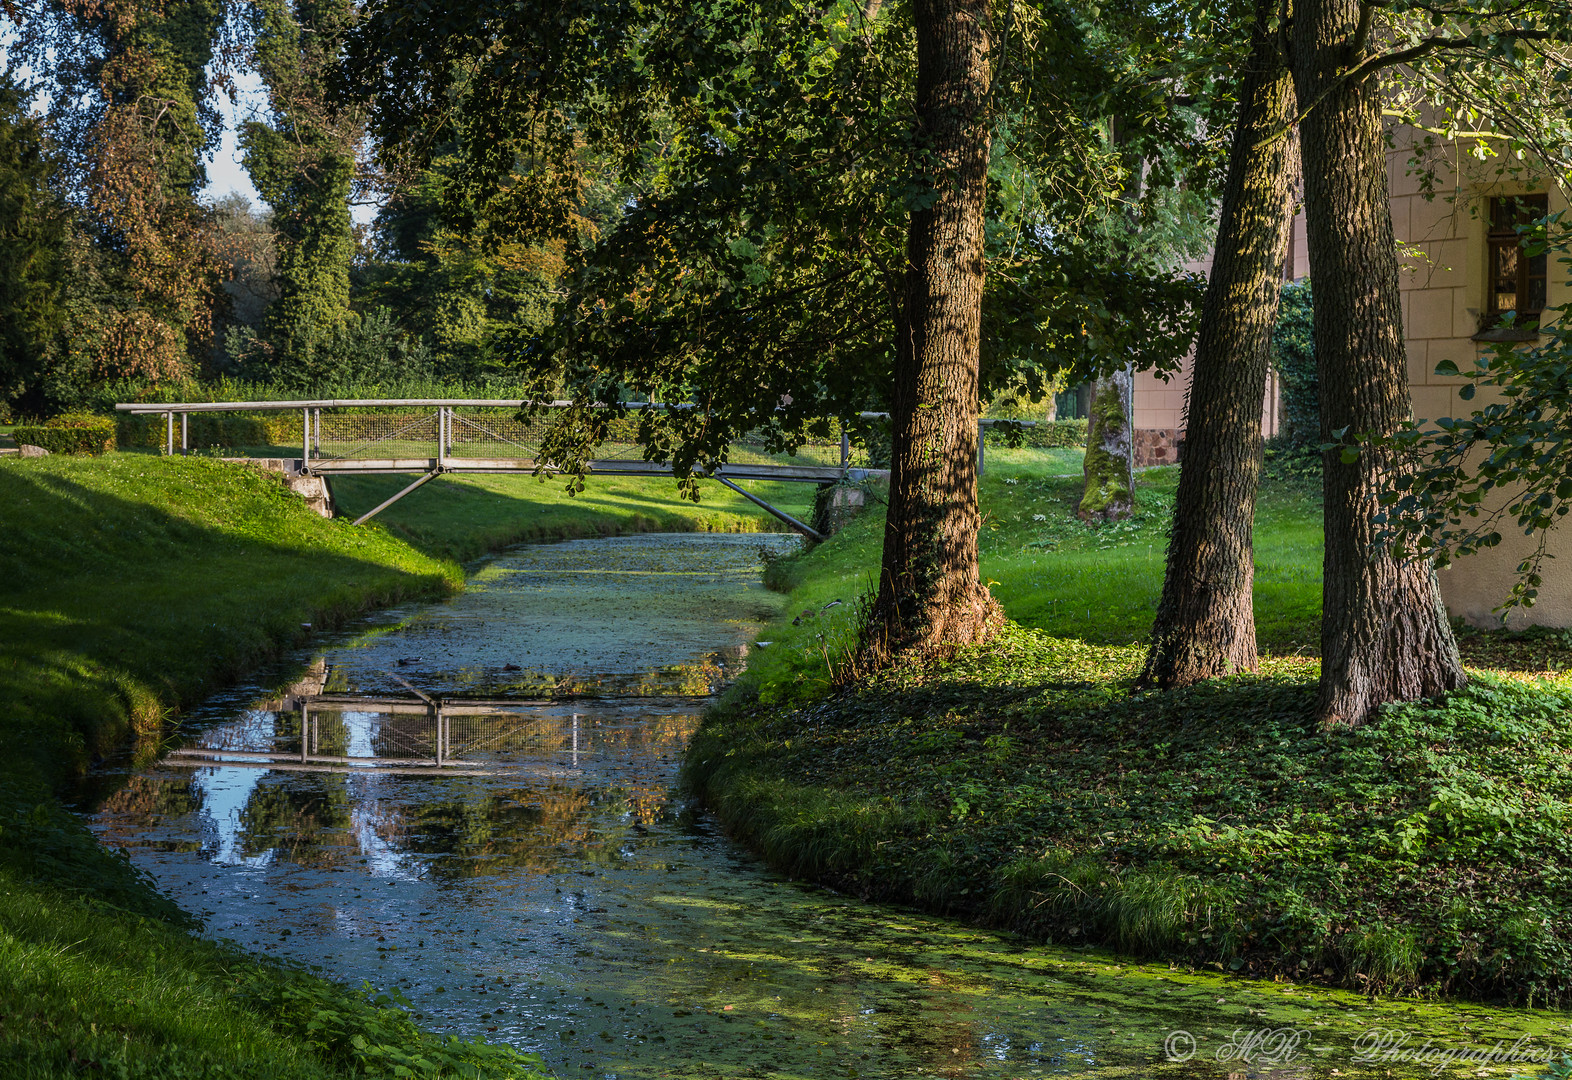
x=375 y=435
x=754 y=448
x=466 y=736
x=493 y=435
x=405 y=736
x=414 y=432
x=510 y=735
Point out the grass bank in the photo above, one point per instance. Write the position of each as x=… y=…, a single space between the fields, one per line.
x=465 y=517
x=136 y=584
x=1025 y=784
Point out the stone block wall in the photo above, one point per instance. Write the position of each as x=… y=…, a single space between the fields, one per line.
x=1157 y=446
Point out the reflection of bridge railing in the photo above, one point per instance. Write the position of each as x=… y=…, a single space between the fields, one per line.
x=419 y=735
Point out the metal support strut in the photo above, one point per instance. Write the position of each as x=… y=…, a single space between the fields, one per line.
x=369 y=514
x=806 y=530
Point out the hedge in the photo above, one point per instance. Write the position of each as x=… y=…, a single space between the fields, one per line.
x=1046 y=435
x=1293 y=354
x=225 y=430
x=69 y=433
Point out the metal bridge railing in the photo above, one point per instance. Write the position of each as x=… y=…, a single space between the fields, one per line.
x=455 y=434
x=433 y=436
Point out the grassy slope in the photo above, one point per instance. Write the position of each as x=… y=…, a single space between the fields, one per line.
x=462 y=517
x=135 y=584
x=1023 y=783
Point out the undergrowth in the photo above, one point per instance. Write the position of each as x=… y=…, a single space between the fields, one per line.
x=1026 y=784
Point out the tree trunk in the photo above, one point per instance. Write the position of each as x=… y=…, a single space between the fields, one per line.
x=1107 y=475
x=1384 y=631
x=1205 y=625
x=930 y=600
x=1108 y=493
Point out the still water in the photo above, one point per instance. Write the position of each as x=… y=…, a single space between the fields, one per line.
x=546 y=886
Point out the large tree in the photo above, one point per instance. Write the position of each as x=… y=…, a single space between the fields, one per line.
x=131 y=111
x=32 y=251
x=302 y=161
x=1205 y=625
x=767 y=276
x=1385 y=635
x=929 y=595
x=813 y=195
x=1384 y=631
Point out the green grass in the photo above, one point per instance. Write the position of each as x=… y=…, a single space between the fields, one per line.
x=136 y=584
x=1049 y=571
x=1001 y=461
x=1054 y=574
x=91 y=989
x=462 y=517
x=1026 y=785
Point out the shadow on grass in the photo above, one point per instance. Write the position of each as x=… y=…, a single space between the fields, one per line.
x=120 y=610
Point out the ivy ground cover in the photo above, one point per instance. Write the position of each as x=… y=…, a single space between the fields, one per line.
x=1027 y=784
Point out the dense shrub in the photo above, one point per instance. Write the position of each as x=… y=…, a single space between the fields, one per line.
x=1293 y=355
x=1049 y=435
x=1292 y=463
x=368 y=350
x=225 y=431
x=69 y=433
x=107 y=395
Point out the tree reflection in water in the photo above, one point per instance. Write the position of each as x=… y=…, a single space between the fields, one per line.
x=536 y=788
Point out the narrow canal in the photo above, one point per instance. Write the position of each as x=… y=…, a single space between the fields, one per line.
x=548 y=887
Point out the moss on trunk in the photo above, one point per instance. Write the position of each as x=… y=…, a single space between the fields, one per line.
x=1110 y=487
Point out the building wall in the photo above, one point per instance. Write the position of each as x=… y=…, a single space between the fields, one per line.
x=1158 y=405
x=1444 y=289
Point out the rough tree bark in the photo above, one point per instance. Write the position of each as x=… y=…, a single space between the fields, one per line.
x=930 y=599
x=1384 y=631
x=1108 y=487
x=1205 y=625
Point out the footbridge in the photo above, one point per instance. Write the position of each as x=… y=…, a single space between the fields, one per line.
x=430 y=437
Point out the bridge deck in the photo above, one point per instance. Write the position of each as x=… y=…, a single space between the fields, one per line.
x=812 y=474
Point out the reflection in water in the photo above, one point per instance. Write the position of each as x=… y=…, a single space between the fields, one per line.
x=521 y=787
x=545 y=886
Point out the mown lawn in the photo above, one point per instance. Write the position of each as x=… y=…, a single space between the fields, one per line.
x=461 y=517
x=137 y=583
x=1026 y=784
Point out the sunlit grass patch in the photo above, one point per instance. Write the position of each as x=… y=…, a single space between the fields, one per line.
x=462 y=517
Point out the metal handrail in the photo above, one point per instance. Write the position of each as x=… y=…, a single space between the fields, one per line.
x=156 y=407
